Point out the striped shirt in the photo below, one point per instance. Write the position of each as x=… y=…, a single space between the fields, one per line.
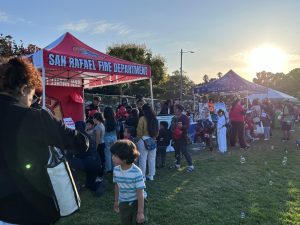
x=129 y=181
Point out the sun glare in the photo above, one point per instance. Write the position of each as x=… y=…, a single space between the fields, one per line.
x=267 y=58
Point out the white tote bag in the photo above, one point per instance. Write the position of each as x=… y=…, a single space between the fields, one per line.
x=62 y=181
x=260 y=129
x=170 y=148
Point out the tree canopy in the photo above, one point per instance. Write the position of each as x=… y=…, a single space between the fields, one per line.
x=139 y=54
x=288 y=83
x=9 y=47
x=172 y=86
x=164 y=86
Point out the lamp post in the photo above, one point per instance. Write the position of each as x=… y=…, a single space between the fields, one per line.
x=181 y=77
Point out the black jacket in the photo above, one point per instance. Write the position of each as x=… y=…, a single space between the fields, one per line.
x=164 y=137
x=25 y=134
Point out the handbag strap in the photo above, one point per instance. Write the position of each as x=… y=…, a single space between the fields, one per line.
x=56 y=156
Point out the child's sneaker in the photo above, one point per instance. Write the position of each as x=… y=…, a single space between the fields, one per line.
x=99 y=179
x=177 y=166
x=190 y=169
x=149 y=178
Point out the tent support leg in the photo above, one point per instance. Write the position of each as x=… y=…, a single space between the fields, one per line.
x=83 y=104
x=151 y=93
x=194 y=102
x=44 y=87
x=247 y=100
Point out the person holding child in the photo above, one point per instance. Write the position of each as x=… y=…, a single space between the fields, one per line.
x=179 y=127
x=130 y=196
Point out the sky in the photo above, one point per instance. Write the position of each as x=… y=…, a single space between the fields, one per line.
x=245 y=36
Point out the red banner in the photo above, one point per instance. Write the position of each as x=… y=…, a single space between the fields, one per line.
x=65 y=62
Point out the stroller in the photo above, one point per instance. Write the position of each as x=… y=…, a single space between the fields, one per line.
x=204 y=131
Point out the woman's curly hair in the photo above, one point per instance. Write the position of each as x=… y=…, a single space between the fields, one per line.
x=15 y=72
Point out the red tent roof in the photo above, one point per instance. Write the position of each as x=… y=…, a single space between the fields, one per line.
x=70 y=62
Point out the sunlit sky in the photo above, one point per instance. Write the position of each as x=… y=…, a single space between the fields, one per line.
x=246 y=36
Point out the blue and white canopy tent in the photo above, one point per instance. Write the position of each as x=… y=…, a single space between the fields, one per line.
x=230 y=83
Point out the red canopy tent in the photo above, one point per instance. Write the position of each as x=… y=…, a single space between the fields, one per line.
x=69 y=66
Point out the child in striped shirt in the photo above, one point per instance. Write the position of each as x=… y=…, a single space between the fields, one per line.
x=130 y=196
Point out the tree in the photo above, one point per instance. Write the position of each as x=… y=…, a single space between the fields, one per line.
x=9 y=47
x=219 y=74
x=292 y=82
x=138 y=54
x=206 y=78
x=264 y=78
x=287 y=83
x=172 y=86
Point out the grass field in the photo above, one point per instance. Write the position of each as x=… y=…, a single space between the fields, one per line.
x=265 y=189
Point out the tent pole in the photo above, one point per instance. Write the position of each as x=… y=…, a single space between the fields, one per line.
x=247 y=100
x=44 y=87
x=194 y=100
x=151 y=93
x=83 y=105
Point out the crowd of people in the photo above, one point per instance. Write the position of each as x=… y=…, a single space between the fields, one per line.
x=131 y=139
x=246 y=122
x=121 y=141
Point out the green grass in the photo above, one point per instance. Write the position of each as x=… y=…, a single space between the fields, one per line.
x=218 y=191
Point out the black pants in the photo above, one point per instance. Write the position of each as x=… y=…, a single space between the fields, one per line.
x=91 y=166
x=180 y=146
x=237 y=128
x=161 y=155
x=100 y=150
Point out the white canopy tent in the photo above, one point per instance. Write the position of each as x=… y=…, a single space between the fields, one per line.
x=273 y=95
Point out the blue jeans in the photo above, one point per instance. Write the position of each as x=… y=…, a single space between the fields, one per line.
x=109 y=140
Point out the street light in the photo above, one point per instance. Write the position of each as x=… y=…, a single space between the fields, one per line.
x=181 y=78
